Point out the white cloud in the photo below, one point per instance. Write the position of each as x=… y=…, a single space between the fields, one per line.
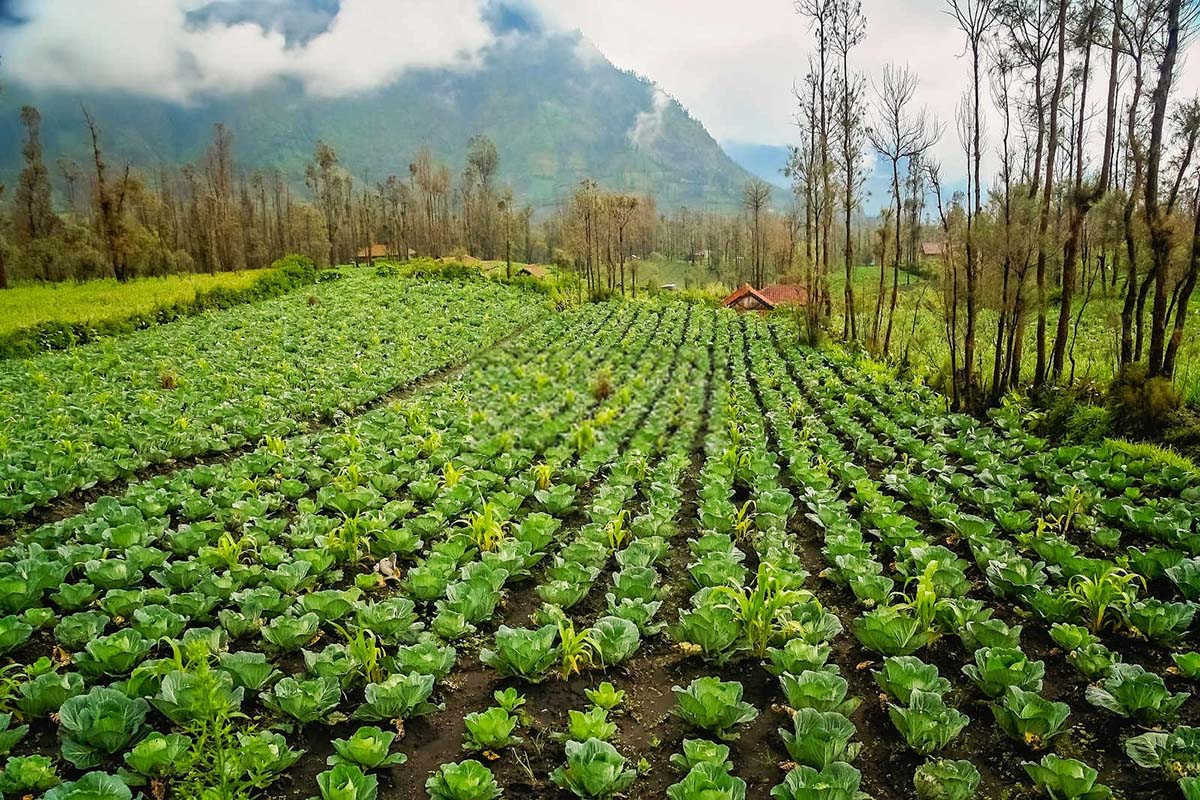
x=147 y=46
x=648 y=125
x=733 y=65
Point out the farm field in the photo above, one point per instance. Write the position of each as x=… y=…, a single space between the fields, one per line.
x=419 y=538
x=225 y=379
x=101 y=300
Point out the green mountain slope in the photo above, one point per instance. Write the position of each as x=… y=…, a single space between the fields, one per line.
x=557 y=110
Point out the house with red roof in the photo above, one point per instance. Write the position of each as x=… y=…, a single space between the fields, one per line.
x=768 y=298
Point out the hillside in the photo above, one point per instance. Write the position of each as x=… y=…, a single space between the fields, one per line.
x=557 y=109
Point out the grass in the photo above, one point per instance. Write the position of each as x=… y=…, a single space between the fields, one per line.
x=919 y=331
x=1154 y=453
x=30 y=304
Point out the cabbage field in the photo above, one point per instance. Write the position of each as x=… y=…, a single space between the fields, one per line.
x=429 y=539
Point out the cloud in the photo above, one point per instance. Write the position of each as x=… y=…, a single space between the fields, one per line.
x=181 y=49
x=298 y=20
x=648 y=125
x=733 y=65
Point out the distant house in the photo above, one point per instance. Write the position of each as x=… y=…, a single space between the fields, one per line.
x=932 y=249
x=375 y=251
x=768 y=298
x=533 y=270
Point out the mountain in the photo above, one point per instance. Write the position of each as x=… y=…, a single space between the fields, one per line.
x=763 y=160
x=557 y=110
x=767 y=162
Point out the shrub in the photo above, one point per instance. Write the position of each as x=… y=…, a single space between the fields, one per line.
x=1142 y=403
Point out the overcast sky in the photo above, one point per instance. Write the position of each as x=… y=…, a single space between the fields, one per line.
x=732 y=64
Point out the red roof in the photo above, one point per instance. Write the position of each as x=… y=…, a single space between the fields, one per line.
x=535 y=270
x=375 y=251
x=784 y=294
x=770 y=296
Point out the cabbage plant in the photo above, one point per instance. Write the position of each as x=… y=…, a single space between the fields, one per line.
x=594 y=769
x=1030 y=718
x=713 y=705
x=819 y=738
x=522 y=652
x=838 y=781
x=927 y=723
x=99 y=724
x=368 y=747
x=708 y=781
x=1130 y=691
x=945 y=779
x=465 y=780
x=397 y=697
x=901 y=675
x=1067 y=779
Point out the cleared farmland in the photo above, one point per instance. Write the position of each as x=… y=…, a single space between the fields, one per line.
x=648 y=549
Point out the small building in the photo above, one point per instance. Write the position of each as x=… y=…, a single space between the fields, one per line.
x=375 y=251
x=768 y=298
x=533 y=270
x=933 y=249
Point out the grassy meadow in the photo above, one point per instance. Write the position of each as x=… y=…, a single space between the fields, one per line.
x=30 y=304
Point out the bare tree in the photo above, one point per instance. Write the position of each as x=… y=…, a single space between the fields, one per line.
x=898 y=134
x=976 y=18
x=110 y=204
x=756 y=193
x=850 y=28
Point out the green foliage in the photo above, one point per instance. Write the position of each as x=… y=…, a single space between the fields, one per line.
x=838 y=781
x=713 y=705
x=927 y=723
x=465 y=780
x=1067 y=779
x=369 y=747
x=997 y=668
x=819 y=738
x=708 y=781
x=714 y=629
x=605 y=696
x=594 y=769
x=490 y=730
x=28 y=774
x=891 y=631
x=820 y=690
x=615 y=639
x=943 y=779
x=1176 y=754
x=92 y=786
x=399 y=696
x=591 y=724
x=347 y=782
x=160 y=755
x=1130 y=691
x=701 y=751
x=901 y=675
x=99 y=724
x=522 y=652
x=1030 y=718
x=1140 y=403
x=70 y=316
x=47 y=692
x=304 y=701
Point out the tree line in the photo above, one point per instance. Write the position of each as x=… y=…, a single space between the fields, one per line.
x=94 y=218
x=1096 y=195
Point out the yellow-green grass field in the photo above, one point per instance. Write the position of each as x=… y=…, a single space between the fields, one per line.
x=26 y=305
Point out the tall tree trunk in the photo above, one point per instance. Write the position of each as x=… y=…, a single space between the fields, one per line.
x=1156 y=220
x=1044 y=220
